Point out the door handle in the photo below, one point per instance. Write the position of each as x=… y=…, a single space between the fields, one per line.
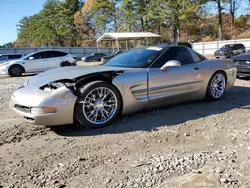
x=196 y=68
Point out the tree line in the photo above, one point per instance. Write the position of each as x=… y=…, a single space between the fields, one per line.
x=79 y=23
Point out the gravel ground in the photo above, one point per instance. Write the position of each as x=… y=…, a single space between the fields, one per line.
x=200 y=144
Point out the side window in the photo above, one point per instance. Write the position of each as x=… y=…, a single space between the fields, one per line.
x=175 y=53
x=236 y=47
x=4 y=57
x=59 y=54
x=36 y=56
x=50 y=54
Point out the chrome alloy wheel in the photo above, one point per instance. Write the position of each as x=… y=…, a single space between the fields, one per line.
x=100 y=105
x=218 y=85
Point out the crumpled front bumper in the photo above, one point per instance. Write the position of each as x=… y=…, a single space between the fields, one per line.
x=63 y=100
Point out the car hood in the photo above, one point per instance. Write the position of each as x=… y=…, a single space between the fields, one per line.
x=69 y=73
x=10 y=63
x=242 y=57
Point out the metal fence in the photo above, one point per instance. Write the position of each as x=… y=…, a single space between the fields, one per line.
x=208 y=48
x=205 y=48
x=79 y=52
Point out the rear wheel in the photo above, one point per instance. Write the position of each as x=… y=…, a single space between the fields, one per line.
x=216 y=86
x=16 y=70
x=98 y=105
x=66 y=64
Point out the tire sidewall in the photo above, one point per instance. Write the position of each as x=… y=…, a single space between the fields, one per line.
x=78 y=112
x=11 y=73
x=209 y=95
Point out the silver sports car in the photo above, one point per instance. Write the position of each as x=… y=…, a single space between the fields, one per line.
x=138 y=79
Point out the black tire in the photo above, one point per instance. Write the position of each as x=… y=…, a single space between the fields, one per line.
x=16 y=70
x=84 y=91
x=66 y=64
x=209 y=95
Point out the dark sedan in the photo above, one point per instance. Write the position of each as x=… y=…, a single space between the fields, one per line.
x=230 y=50
x=242 y=62
x=94 y=57
x=110 y=56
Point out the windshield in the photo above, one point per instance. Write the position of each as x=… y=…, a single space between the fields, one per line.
x=227 y=46
x=135 y=58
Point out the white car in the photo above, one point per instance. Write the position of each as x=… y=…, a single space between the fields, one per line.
x=9 y=57
x=38 y=62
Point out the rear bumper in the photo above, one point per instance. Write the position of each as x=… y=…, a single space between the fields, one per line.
x=64 y=109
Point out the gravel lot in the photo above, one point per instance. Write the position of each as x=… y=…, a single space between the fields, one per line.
x=200 y=144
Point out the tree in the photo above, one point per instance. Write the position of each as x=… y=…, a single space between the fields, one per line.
x=177 y=13
x=104 y=13
x=85 y=33
x=219 y=14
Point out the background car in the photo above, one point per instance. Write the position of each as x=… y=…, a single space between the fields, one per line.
x=8 y=57
x=230 y=50
x=242 y=62
x=110 y=56
x=135 y=80
x=94 y=57
x=37 y=62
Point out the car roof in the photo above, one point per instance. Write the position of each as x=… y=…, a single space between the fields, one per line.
x=49 y=51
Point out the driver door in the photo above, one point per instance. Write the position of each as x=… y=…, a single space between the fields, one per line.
x=36 y=62
x=174 y=84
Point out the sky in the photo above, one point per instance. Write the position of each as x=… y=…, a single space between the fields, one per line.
x=11 y=12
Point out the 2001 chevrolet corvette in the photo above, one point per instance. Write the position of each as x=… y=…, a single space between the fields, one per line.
x=138 y=79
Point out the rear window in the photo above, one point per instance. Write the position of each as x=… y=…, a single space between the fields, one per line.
x=201 y=57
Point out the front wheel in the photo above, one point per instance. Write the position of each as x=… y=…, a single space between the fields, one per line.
x=216 y=86
x=98 y=105
x=16 y=70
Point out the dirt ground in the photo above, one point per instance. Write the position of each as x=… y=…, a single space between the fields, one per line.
x=194 y=145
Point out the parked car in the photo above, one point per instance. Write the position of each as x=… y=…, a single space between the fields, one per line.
x=242 y=62
x=8 y=57
x=230 y=50
x=94 y=57
x=137 y=79
x=110 y=56
x=37 y=62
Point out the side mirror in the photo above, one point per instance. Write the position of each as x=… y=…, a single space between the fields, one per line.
x=31 y=58
x=171 y=63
